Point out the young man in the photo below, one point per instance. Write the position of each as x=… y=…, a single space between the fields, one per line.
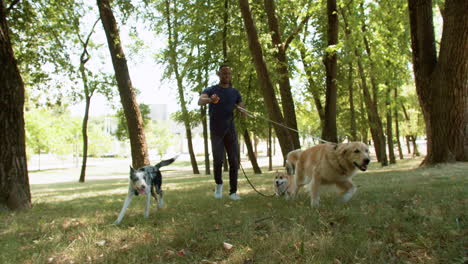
x=222 y=100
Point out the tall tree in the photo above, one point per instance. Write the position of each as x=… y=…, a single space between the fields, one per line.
x=282 y=63
x=88 y=93
x=266 y=85
x=173 y=38
x=371 y=109
x=391 y=151
x=441 y=82
x=138 y=144
x=329 y=132
x=14 y=182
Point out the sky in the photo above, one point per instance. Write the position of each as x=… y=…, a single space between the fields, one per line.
x=145 y=73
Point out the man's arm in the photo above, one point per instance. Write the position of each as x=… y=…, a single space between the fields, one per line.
x=204 y=99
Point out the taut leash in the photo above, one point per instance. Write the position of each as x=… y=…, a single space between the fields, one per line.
x=253 y=115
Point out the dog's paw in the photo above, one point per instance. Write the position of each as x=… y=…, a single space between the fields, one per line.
x=160 y=203
x=314 y=203
x=347 y=195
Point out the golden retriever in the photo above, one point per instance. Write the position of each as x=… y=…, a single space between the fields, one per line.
x=291 y=160
x=330 y=163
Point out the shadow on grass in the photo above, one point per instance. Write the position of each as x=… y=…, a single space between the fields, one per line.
x=421 y=212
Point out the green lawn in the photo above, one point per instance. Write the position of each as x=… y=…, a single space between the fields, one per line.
x=399 y=215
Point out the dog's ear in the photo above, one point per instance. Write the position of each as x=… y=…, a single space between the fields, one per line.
x=341 y=149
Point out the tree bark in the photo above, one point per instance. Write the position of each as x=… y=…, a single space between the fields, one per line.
x=329 y=132
x=84 y=132
x=397 y=127
x=352 y=111
x=282 y=69
x=132 y=112
x=272 y=106
x=441 y=83
x=391 y=148
x=250 y=153
x=15 y=193
x=270 y=157
x=375 y=122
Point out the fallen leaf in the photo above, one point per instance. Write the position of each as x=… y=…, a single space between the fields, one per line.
x=101 y=243
x=124 y=247
x=227 y=246
x=208 y=261
x=169 y=253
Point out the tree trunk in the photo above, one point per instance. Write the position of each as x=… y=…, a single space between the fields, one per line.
x=205 y=139
x=352 y=111
x=88 y=93
x=282 y=69
x=132 y=112
x=375 y=122
x=391 y=148
x=441 y=83
x=408 y=146
x=272 y=106
x=84 y=131
x=415 y=146
x=250 y=152
x=329 y=132
x=353 y=125
x=14 y=181
x=397 y=127
x=270 y=157
x=364 y=125
x=193 y=159
x=172 y=45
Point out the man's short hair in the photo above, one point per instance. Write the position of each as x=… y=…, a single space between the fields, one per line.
x=222 y=66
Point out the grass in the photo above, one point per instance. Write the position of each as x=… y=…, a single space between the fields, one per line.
x=399 y=215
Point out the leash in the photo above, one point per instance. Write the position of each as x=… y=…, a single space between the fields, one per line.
x=253 y=115
x=253 y=187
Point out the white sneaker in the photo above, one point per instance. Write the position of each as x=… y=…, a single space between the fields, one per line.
x=234 y=196
x=218 y=191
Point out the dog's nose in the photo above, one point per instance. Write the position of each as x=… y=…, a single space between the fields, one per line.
x=143 y=186
x=366 y=161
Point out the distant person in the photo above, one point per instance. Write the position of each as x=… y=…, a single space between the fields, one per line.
x=222 y=100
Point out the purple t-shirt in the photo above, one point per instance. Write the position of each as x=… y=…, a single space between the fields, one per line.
x=221 y=114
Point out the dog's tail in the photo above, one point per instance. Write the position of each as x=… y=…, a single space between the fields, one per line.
x=166 y=162
x=290 y=167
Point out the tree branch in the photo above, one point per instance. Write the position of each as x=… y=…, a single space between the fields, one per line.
x=296 y=31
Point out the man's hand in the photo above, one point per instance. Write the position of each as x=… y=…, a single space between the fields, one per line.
x=214 y=98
